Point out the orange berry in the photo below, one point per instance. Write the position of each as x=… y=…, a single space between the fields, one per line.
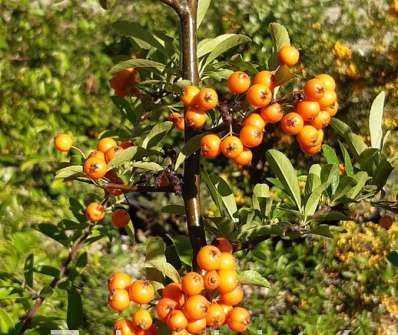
x=119 y=300
x=210 y=145
x=327 y=81
x=63 y=142
x=386 y=222
x=189 y=94
x=206 y=99
x=227 y=308
x=196 y=327
x=227 y=261
x=332 y=110
x=238 y=82
x=192 y=283
x=231 y=146
x=94 y=167
x=178 y=120
x=233 y=297
x=95 y=212
x=322 y=120
x=328 y=99
x=123 y=81
x=141 y=292
x=195 y=307
x=164 y=307
x=245 y=157
x=266 y=78
x=114 y=179
x=123 y=327
x=105 y=144
x=308 y=136
x=119 y=280
x=126 y=144
x=228 y=281
x=215 y=316
x=174 y=292
x=313 y=89
x=97 y=154
x=313 y=150
x=288 y=55
x=255 y=120
x=238 y=319
x=292 y=123
x=342 y=171
x=211 y=280
x=120 y=218
x=272 y=113
x=195 y=118
x=223 y=245
x=259 y=95
x=150 y=331
x=208 y=258
x=250 y=136
x=176 y=321
x=110 y=154
x=308 y=110
x=142 y=319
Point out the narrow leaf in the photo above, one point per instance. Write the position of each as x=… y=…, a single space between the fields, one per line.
x=157 y=133
x=252 y=277
x=376 y=121
x=75 y=309
x=138 y=63
x=330 y=154
x=28 y=270
x=203 y=6
x=189 y=148
x=122 y=156
x=347 y=160
x=70 y=171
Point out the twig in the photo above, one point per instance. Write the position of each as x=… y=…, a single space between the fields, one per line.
x=138 y=188
x=173 y=4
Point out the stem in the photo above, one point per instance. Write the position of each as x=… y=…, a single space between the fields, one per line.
x=27 y=321
x=138 y=188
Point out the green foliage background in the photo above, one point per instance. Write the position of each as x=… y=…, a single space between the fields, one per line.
x=54 y=63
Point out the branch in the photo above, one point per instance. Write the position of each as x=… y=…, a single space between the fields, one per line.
x=138 y=188
x=175 y=4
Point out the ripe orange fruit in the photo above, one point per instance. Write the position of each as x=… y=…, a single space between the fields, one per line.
x=233 y=297
x=320 y=137
x=206 y=99
x=110 y=154
x=176 y=321
x=120 y=218
x=327 y=81
x=259 y=95
x=97 y=154
x=195 y=118
x=192 y=283
x=238 y=319
x=119 y=280
x=227 y=308
x=164 y=307
x=95 y=212
x=227 y=261
x=141 y=292
x=288 y=55
x=123 y=327
x=122 y=81
x=228 y=281
x=150 y=331
x=215 y=316
x=174 y=292
x=223 y=245
x=208 y=258
x=195 y=307
x=126 y=144
x=94 y=167
x=63 y=142
x=142 y=319
x=178 y=120
x=210 y=145
x=196 y=327
x=238 y=82
x=308 y=110
x=292 y=123
x=308 y=136
x=322 y=120
x=342 y=170
x=231 y=146
x=114 y=179
x=266 y=78
x=245 y=157
x=119 y=300
x=272 y=113
x=328 y=99
x=332 y=110
x=105 y=144
x=313 y=89
x=211 y=280
x=386 y=221
x=313 y=150
x=255 y=120
x=189 y=94
x=250 y=136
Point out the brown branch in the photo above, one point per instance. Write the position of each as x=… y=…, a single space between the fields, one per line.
x=175 y=4
x=138 y=188
x=27 y=321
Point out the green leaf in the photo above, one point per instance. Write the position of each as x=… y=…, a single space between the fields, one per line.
x=74 y=314
x=174 y=209
x=131 y=231
x=189 y=148
x=384 y=169
x=157 y=133
x=330 y=154
x=322 y=230
x=137 y=63
x=226 y=194
x=347 y=160
x=345 y=185
x=6 y=322
x=252 y=277
x=361 y=178
x=82 y=260
x=150 y=166
x=313 y=180
x=260 y=193
x=28 y=270
x=184 y=249
x=287 y=175
x=393 y=257
x=376 y=121
x=203 y=6
x=53 y=232
x=283 y=75
x=122 y=156
x=69 y=172
x=167 y=269
x=313 y=200
x=279 y=34
x=213 y=191
x=207 y=45
x=47 y=270
x=329 y=216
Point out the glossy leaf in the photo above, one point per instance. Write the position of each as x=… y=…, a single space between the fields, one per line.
x=252 y=277
x=189 y=148
x=28 y=270
x=347 y=160
x=330 y=154
x=184 y=249
x=138 y=63
x=70 y=171
x=376 y=121
x=150 y=166
x=74 y=315
x=203 y=6
x=354 y=141
x=122 y=156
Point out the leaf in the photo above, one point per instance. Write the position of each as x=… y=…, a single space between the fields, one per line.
x=313 y=200
x=203 y=6
x=69 y=171
x=122 y=156
x=252 y=277
x=53 y=232
x=347 y=160
x=150 y=166
x=184 y=249
x=279 y=34
x=330 y=176
x=322 y=230
x=189 y=148
x=260 y=193
x=74 y=314
x=174 y=209
x=213 y=191
x=207 y=45
x=393 y=257
x=137 y=63
x=82 y=260
x=330 y=154
x=47 y=270
x=167 y=269
x=361 y=178
x=329 y=216
x=384 y=169
x=283 y=75
x=345 y=185
x=6 y=322
x=226 y=195
x=131 y=231
x=313 y=180
x=28 y=270
x=376 y=120
x=286 y=174
x=157 y=133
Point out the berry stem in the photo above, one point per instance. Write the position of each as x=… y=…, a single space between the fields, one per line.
x=79 y=150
